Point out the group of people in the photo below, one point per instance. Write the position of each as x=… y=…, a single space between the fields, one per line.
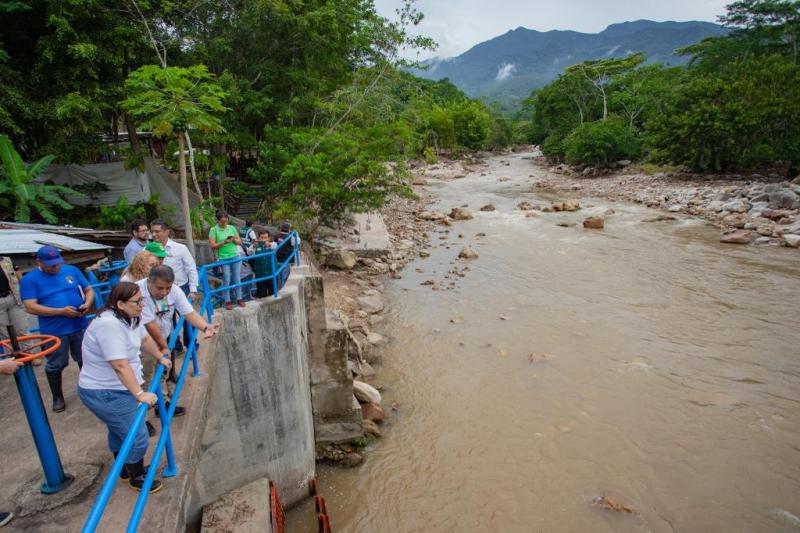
x=118 y=352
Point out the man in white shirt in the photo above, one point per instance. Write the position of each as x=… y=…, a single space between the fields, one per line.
x=182 y=263
x=162 y=299
x=178 y=258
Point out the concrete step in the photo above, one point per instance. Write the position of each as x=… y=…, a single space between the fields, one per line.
x=244 y=510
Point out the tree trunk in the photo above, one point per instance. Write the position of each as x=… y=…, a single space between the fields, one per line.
x=191 y=166
x=187 y=219
x=133 y=139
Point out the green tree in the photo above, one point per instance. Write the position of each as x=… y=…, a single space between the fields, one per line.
x=19 y=189
x=601 y=143
x=599 y=73
x=172 y=101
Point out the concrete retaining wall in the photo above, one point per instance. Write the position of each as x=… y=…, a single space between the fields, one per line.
x=259 y=418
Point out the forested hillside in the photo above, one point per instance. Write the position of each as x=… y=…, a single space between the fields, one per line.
x=318 y=88
x=736 y=104
x=505 y=69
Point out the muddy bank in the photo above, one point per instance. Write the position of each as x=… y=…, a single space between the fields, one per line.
x=754 y=209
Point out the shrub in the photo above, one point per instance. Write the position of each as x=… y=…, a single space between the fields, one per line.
x=601 y=143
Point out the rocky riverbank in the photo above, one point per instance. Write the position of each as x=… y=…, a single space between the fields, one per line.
x=754 y=209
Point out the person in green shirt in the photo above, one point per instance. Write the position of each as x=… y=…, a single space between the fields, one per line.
x=223 y=239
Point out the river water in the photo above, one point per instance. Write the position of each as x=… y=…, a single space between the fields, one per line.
x=645 y=362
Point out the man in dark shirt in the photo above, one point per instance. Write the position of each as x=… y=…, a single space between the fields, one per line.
x=60 y=295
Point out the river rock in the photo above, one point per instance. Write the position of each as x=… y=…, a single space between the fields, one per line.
x=736 y=206
x=676 y=208
x=371 y=304
x=488 y=207
x=741 y=236
x=423 y=254
x=371 y=428
x=467 y=252
x=594 y=223
x=370 y=411
x=531 y=214
x=376 y=339
x=784 y=199
x=791 y=240
x=366 y=393
x=341 y=259
x=432 y=215
x=352 y=459
x=737 y=220
x=503 y=178
x=566 y=206
x=460 y=214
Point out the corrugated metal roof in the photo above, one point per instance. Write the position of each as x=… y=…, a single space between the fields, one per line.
x=25 y=241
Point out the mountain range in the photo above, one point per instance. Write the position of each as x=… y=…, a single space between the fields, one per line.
x=507 y=68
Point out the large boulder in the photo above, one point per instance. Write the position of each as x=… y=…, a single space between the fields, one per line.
x=341 y=259
x=467 y=252
x=432 y=215
x=791 y=240
x=371 y=303
x=594 y=223
x=741 y=236
x=366 y=393
x=458 y=213
x=370 y=411
x=783 y=199
x=736 y=206
x=488 y=207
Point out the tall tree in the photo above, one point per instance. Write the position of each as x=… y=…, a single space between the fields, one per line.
x=172 y=101
x=599 y=73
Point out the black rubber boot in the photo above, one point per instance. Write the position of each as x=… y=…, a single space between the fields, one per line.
x=54 y=380
x=137 y=471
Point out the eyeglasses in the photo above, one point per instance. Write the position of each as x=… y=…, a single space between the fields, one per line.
x=138 y=301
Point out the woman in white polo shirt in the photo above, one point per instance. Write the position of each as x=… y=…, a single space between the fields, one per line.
x=110 y=382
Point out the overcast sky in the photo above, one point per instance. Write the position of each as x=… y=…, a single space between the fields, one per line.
x=458 y=25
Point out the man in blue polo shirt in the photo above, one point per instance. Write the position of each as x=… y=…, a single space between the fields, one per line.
x=60 y=296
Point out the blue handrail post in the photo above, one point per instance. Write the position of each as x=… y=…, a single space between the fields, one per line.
x=171 y=469
x=274 y=276
x=55 y=478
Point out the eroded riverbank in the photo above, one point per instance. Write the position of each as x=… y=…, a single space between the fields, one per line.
x=646 y=362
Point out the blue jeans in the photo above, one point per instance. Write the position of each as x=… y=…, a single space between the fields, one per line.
x=70 y=344
x=117 y=409
x=231 y=275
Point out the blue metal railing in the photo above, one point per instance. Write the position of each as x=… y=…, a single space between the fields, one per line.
x=165 y=437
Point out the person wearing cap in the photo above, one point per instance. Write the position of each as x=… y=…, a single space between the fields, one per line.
x=180 y=260
x=138 y=240
x=60 y=295
x=157 y=249
x=223 y=239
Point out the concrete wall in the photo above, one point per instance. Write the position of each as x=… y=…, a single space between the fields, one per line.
x=337 y=415
x=259 y=415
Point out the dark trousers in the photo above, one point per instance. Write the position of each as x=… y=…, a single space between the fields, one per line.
x=175 y=318
x=264 y=288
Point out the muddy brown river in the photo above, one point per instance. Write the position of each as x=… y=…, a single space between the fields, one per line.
x=645 y=362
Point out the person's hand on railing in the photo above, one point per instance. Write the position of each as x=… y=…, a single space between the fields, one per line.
x=210 y=331
x=147 y=398
x=166 y=361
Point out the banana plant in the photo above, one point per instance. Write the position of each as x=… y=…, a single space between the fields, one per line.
x=18 y=187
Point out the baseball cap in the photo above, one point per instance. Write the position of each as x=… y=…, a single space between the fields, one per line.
x=49 y=255
x=156 y=248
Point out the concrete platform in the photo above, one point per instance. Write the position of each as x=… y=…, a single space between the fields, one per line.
x=244 y=510
x=82 y=443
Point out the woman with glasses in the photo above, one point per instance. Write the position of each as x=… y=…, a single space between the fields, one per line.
x=110 y=382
